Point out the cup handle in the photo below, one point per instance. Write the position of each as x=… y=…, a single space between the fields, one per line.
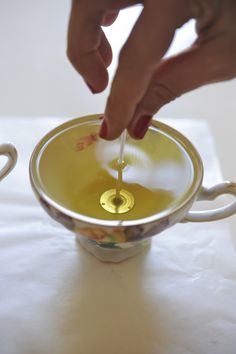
x=10 y=152
x=210 y=194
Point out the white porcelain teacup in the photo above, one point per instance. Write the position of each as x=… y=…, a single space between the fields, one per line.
x=71 y=168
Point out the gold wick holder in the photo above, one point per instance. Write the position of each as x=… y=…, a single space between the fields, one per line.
x=117 y=205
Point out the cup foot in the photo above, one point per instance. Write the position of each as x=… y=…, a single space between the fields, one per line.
x=114 y=253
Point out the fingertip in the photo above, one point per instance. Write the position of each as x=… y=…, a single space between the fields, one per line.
x=106 y=133
x=103 y=129
x=91 y=88
x=139 y=129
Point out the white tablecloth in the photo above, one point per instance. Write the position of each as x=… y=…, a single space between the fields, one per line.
x=177 y=297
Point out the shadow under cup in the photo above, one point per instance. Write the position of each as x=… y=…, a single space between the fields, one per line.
x=71 y=168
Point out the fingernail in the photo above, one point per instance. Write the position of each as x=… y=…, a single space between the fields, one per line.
x=103 y=130
x=91 y=88
x=141 y=126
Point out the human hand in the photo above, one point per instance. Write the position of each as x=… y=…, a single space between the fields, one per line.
x=144 y=81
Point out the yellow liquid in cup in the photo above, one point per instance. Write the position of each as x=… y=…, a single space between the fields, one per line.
x=76 y=167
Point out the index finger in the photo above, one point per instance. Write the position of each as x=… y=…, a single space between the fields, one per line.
x=85 y=37
x=148 y=42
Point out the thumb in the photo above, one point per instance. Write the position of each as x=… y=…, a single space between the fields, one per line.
x=201 y=64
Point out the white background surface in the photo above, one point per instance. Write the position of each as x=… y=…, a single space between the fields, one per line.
x=36 y=78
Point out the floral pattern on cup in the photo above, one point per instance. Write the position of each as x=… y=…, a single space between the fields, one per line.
x=103 y=235
x=85 y=141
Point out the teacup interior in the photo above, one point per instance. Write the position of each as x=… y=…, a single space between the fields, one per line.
x=75 y=167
